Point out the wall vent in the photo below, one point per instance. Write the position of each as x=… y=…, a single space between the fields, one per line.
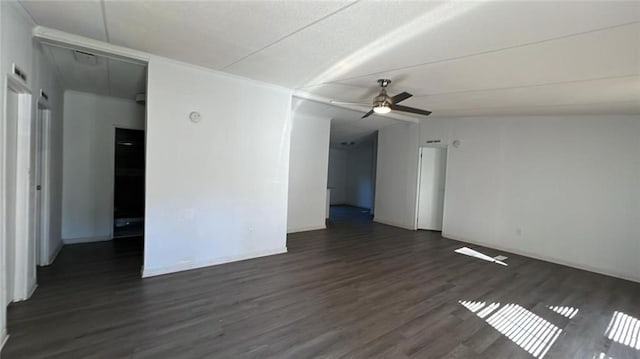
x=141 y=98
x=433 y=141
x=85 y=57
x=18 y=72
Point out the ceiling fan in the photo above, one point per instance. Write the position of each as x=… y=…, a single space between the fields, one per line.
x=384 y=103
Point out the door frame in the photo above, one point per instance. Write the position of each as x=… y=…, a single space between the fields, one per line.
x=24 y=285
x=419 y=178
x=43 y=174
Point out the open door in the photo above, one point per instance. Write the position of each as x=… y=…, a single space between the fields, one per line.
x=433 y=162
x=128 y=216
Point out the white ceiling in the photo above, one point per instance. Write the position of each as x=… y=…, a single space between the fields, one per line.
x=107 y=77
x=346 y=125
x=458 y=58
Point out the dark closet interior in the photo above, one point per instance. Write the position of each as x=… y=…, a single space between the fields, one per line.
x=128 y=208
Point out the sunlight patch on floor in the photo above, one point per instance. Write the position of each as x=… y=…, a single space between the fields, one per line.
x=473 y=253
x=526 y=329
x=624 y=329
x=601 y=356
x=565 y=311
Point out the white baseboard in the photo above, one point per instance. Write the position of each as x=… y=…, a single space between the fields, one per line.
x=31 y=290
x=305 y=229
x=55 y=253
x=546 y=258
x=86 y=239
x=3 y=338
x=393 y=224
x=151 y=272
x=28 y=295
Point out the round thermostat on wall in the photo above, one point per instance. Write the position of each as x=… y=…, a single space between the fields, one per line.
x=195 y=117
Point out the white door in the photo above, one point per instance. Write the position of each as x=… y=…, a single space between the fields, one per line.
x=10 y=191
x=433 y=163
x=36 y=184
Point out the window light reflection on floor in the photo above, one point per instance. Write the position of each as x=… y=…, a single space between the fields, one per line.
x=565 y=311
x=624 y=329
x=473 y=253
x=526 y=329
x=601 y=356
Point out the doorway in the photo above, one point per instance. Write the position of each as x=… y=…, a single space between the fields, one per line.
x=40 y=184
x=128 y=206
x=352 y=178
x=431 y=188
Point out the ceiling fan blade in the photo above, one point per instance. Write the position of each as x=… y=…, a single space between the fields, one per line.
x=410 y=110
x=367 y=114
x=351 y=103
x=400 y=97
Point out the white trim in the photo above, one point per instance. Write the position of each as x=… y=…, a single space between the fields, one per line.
x=305 y=229
x=393 y=224
x=31 y=291
x=4 y=337
x=150 y=272
x=544 y=258
x=54 y=255
x=64 y=39
x=43 y=126
x=79 y=240
x=23 y=227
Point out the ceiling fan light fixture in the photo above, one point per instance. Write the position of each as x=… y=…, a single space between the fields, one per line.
x=382 y=108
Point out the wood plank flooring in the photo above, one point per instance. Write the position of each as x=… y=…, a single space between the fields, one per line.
x=356 y=290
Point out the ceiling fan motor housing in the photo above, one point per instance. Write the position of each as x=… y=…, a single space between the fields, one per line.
x=382 y=99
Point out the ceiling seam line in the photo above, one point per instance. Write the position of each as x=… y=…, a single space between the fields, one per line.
x=290 y=34
x=469 y=55
x=106 y=34
x=526 y=86
x=542 y=106
x=104 y=20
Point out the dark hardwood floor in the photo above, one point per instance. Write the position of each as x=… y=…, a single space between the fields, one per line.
x=355 y=290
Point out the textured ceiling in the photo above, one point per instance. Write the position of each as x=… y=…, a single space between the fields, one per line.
x=459 y=58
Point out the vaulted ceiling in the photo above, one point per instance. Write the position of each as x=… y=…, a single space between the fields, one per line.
x=458 y=58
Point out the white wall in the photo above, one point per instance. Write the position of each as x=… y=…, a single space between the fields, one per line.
x=308 y=163
x=88 y=162
x=337 y=177
x=217 y=189
x=397 y=175
x=563 y=189
x=48 y=82
x=3 y=269
x=16 y=46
